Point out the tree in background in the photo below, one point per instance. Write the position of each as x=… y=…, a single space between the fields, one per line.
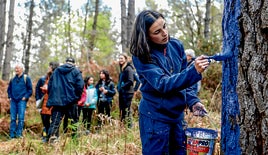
x=130 y=20
x=9 y=42
x=93 y=33
x=127 y=20
x=58 y=30
x=2 y=29
x=207 y=19
x=197 y=24
x=55 y=30
x=123 y=25
x=28 y=39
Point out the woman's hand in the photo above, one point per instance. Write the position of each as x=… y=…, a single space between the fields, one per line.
x=199 y=109
x=201 y=63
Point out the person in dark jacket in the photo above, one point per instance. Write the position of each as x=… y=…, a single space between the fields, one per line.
x=161 y=64
x=64 y=89
x=125 y=89
x=38 y=96
x=45 y=111
x=19 y=91
x=106 y=91
x=38 y=92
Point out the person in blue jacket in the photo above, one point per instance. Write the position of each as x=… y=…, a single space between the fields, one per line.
x=161 y=64
x=106 y=91
x=38 y=92
x=90 y=103
x=19 y=91
x=65 y=88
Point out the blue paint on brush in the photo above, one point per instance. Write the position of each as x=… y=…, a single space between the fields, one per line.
x=221 y=56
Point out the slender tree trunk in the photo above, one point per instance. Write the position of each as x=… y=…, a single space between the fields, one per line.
x=85 y=23
x=84 y=50
x=10 y=44
x=207 y=19
x=2 y=29
x=130 y=21
x=123 y=25
x=198 y=18
x=28 y=38
x=70 y=46
x=253 y=77
x=93 y=33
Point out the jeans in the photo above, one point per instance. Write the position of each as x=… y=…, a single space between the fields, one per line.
x=160 y=138
x=17 y=110
x=58 y=112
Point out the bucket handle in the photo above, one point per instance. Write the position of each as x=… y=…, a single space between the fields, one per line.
x=209 y=118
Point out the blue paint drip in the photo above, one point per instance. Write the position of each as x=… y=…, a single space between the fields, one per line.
x=230 y=131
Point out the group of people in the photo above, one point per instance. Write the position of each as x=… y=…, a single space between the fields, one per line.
x=65 y=95
x=167 y=87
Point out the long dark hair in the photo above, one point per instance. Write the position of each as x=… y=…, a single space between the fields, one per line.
x=107 y=77
x=139 y=45
x=86 y=80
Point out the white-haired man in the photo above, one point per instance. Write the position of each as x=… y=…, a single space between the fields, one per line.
x=190 y=54
x=19 y=91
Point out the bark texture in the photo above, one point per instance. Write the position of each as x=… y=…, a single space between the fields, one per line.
x=2 y=29
x=253 y=77
x=9 y=42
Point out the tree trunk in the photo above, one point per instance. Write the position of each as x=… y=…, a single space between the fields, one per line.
x=10 y=44
x=28 y=38
x=2 y=29
x=94 y=27
x=230 y=106
x=70 y=46
x=253 y=77
x=123 y=26
x=207 y=19
x=84 y=40
x=130 y=21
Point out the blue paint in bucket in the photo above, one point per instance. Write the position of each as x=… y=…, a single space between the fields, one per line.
x=200 y=141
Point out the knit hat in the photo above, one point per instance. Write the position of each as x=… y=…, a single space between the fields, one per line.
x=70 y=59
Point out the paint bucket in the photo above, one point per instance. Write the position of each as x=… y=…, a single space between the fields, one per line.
x=200 y=141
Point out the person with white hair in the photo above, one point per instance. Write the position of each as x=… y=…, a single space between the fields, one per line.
x=190 y=54
x=19 y=91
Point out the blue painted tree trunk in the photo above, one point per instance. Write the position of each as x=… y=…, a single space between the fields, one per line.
x=230 y=130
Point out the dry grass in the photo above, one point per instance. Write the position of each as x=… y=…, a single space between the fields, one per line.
x=112 y=139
